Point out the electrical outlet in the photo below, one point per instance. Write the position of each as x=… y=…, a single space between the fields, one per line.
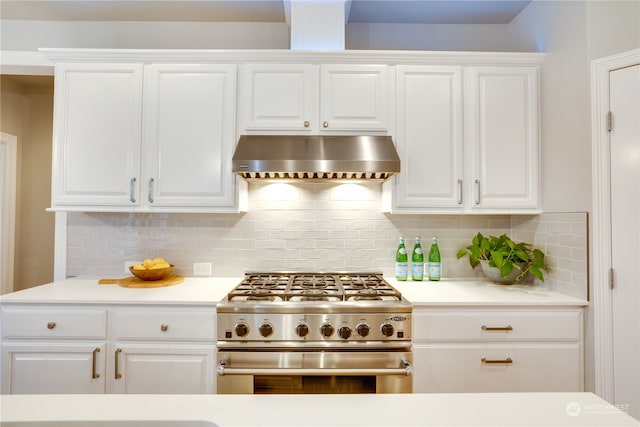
x=128 y=264
x=202 y=269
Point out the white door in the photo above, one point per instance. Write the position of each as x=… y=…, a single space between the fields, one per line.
x=429 y=137
x=625 y=234
x=97 y=129
x=354 y=97
x=501 y=138
x=279 y=97
x=53 y=368
x=163 y=369
x=189 y=134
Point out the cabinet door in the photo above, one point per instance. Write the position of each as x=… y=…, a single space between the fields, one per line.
x=502 y=137
x=53 y=368
x=354 y=97
x=166 y=368
x=97 y=125
x=485 y=368
x=279 y=97
x=189 y=122
x=429 y=137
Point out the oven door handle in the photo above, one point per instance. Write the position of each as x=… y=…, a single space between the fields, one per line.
x=406 y=369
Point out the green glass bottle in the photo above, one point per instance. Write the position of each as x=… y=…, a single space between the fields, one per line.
x=434 y=261
x=417 y=261
x=401 y=261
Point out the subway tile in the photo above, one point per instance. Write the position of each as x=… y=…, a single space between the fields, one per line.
x=316 y=228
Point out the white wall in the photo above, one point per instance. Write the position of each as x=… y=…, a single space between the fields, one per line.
x=560 y=29
x=31 y=35
x=428 y=37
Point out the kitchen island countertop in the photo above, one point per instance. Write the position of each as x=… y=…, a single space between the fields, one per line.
x=210 y=290
x=460 y=409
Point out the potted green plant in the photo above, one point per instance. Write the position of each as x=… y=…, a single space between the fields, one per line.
x=503 y=260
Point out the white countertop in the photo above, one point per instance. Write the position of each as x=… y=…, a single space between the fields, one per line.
x=480 y=293
x=193 y=291
x=210 y=290
x=460 y=409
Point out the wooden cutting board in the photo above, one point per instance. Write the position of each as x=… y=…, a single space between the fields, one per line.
x=134 y=282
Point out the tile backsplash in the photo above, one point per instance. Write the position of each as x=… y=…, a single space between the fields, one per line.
x=314 y=227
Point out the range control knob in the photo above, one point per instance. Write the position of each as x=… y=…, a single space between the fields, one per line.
x=242 y=329
x=363 y=329
x=326 y=330
x=387 y=329
x=344 y=332
x=266 y=329
x=302 y=330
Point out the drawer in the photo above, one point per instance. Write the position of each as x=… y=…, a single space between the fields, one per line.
x=164 y=324
x=451 y=368
x=498 y=325
x=54 y=323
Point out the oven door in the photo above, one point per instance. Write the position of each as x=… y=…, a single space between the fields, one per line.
x=313 y=372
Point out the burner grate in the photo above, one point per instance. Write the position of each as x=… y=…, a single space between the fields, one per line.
x=314 y=287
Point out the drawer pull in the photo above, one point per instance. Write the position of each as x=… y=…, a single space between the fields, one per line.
x=164 y=327
x=51 y=325
x=118 y=375
x=94 y=374
x=493 y=361
x=497 y=328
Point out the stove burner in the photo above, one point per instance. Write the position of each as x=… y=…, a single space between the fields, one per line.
x=366 y=295
x=313 y=282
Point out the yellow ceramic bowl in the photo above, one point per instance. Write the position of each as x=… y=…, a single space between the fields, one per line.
x=150 y=275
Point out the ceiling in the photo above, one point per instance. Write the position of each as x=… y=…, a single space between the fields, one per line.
x=361 y=11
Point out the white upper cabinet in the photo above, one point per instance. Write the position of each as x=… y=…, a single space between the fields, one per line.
x=354 y=97
x=468 y=140
x=279 y=97
x=429 y=137
x=189 y=135
x=502 y=136
x=96 y=145
x=311 y=99
x=167 y=147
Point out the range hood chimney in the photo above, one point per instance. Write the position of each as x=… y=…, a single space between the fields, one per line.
x=315 y=157
x=317 y=24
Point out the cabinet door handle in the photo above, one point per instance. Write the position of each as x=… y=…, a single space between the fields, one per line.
x=132 y=188
x=51 y=325
x=94 y=374
x=460 y=191
x=497 y=328
x=150 y=190
x=325 y=124
x=116 y=357
x=164 y=327
x=490 y=361
x=477 y=191
x=306 y=123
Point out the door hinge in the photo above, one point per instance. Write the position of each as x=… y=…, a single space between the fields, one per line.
x=611 y=278
x=609 y=121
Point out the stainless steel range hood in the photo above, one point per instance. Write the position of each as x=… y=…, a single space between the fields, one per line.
x=315 y=157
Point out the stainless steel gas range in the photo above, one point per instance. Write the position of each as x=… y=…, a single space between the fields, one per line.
x=294 y=332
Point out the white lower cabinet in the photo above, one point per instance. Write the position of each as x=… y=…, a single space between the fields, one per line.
x=53 y=368
x=162 y=350
x=162 y=369
x=49 y=349
x=498 y=350
x=74 y=349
